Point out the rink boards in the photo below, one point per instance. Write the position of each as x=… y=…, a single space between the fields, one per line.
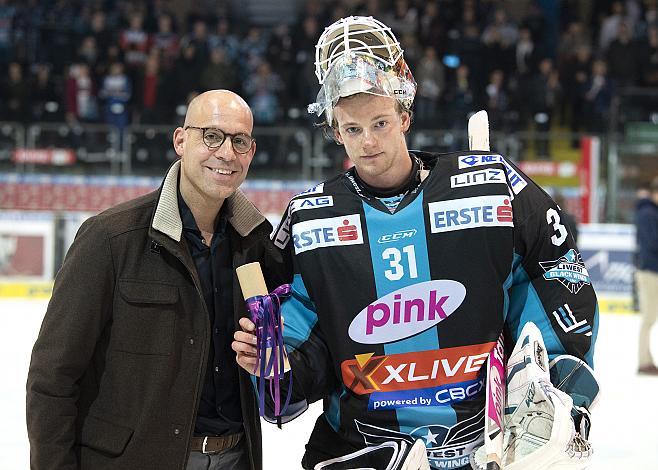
x=32 y=245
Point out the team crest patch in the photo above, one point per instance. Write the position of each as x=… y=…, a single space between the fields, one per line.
x=569 y=270
x=447 y=446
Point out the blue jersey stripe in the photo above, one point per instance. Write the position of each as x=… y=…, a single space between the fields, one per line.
x=398 y=249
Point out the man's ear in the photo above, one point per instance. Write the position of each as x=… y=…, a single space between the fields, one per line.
x=179 y=141
x=337 y=136
x=406 y=121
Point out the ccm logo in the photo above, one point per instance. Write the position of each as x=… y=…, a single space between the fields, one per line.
x=399 y=235
x=407 y=311
x=321 y=233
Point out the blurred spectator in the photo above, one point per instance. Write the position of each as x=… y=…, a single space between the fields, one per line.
x=432 y=31
x=499 y=39
x=430 y=76
x=88 y=51
x=610 y=25
x=31 y=36
x=598 y=97
x=15 y=94
x=575 y=37
x=541 y=22
x=219 y=72
x=134 y=43
x=262 y=89
x=150 y=94
x=304 y=78
x=45 y=96
x=649 y=19
x=198 y=38
x=116 y=92
x=545 y=94
x=187 y=71
x=470 y=52
x=622 y=57
x=99 y=30
x=80 y=93
x=252 y=50
x=460 y=102
x=573 y=40
x=575 y=76
x=225 y=39
x=526 y=54
x=497 y=100
x=165 y=40
x=7 y=14
x=649 y=58
x=57 y=33
x=281 y=56
x=403 y=19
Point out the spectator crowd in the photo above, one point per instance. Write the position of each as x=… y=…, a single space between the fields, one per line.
x=538 y=65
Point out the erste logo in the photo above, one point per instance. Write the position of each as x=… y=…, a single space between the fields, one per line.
x=321 y=233
x=472 y=212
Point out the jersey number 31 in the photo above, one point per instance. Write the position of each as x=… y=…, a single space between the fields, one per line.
x=394 y=257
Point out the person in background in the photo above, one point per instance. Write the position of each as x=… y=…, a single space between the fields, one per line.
x=646 y=276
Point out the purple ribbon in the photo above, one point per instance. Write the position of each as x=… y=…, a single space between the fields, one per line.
x=265 y=312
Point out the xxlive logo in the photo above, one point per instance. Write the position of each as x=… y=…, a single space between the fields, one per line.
x=407 y=311
x=368 y=373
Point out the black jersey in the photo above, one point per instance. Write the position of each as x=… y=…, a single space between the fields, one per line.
x=393 y=314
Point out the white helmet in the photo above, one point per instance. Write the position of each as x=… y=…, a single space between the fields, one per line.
x=360 y=54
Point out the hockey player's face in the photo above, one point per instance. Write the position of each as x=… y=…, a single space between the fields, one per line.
x=372 y=130
x=213 y=172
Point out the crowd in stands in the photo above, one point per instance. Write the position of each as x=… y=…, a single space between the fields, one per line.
x=540 y=65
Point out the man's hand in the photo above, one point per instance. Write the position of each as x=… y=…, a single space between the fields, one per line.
x=245 y=346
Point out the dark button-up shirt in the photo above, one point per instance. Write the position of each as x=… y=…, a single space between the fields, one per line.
x=219 y=410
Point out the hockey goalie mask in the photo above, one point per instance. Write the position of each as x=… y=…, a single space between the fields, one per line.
x=360 y=55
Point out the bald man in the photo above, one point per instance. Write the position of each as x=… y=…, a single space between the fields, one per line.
x=132 y=368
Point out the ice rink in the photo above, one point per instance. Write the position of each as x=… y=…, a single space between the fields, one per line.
x=624 y=422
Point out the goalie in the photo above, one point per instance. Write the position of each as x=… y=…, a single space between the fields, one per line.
x=405 y=271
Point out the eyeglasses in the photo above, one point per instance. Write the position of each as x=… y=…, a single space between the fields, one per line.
x=214 y=138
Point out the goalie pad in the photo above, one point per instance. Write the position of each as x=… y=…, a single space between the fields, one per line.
x=540 y=432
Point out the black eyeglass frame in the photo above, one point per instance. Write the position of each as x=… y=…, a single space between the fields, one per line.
x=225 y=134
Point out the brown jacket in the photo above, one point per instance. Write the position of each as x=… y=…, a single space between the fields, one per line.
x=118 y=366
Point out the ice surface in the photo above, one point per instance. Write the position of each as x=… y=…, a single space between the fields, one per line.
x=624 y=421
